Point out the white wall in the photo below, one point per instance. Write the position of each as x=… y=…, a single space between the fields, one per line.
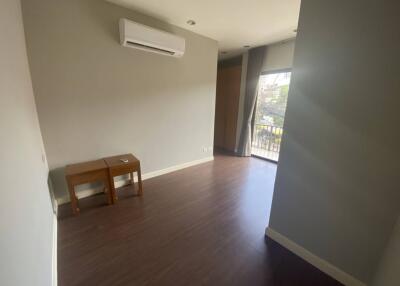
x=96 y=98
x=26 y=217
x=337 y=185
x=388 y=273
x=279 y=56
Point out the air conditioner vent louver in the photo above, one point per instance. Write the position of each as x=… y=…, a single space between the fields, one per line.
x=145 y=38
x=150 y=48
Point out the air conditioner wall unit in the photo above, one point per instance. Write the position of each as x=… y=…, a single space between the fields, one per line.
x=138 y=36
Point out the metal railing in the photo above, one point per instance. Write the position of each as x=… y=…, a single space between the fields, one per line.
x=267 y=141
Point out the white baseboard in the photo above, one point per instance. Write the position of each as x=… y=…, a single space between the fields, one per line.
x=121 y=183
x=313 y=259
x=54 y=252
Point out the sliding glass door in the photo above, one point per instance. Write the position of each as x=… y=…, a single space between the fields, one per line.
x=272 y=97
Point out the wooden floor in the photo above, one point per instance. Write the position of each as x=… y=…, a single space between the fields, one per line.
x=203 y=225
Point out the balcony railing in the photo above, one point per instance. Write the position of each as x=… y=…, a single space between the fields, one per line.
x=266 y=141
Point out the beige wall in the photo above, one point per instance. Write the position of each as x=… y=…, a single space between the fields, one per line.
x=26 y=218
x=337 y=185
x=96 y=98
x=279 y=56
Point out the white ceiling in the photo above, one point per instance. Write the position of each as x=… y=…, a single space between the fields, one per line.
x=233 y=23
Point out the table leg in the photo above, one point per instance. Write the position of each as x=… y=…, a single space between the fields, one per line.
x=140 y=182
x=74 y=199
x=113 y=193
x=107 y=191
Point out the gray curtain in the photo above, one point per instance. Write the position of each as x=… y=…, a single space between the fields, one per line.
x=254 y=68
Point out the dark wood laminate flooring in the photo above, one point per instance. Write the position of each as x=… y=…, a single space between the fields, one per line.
x=203 y=225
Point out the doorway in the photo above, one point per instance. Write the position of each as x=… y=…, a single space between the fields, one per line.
x=273 y=90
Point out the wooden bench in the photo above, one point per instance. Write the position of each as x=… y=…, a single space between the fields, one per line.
x=87 y=172
x=122 y=165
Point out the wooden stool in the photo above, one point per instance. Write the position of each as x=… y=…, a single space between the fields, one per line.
x=121 y=165
x=87 y=172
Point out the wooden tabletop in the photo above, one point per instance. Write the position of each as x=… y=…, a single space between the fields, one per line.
x=85 y=167
x=116 y=160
